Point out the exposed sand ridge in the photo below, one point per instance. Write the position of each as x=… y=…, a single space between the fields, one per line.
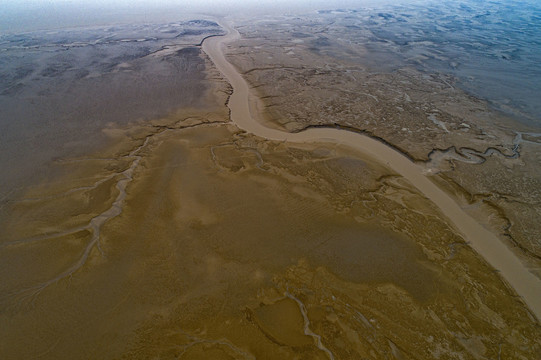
x=486 y=243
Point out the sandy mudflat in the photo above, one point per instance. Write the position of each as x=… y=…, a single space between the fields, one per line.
x=224 y=243
x=218 y=227
x=335 y=74
x=59 y=89
x=483 y=241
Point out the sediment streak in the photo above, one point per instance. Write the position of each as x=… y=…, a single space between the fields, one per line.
x=487 y=244
x=306 y=327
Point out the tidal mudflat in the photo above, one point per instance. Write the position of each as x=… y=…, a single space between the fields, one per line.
x=342 y=69
x=185 y=236
x=232 y=246
x=60 y=88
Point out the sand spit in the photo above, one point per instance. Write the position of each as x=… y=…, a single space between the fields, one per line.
x=483 y=241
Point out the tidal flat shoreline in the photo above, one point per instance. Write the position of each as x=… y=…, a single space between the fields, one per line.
x=231 y=245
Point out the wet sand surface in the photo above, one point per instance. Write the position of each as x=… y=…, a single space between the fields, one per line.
x=228 y=245
x=218 y=243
